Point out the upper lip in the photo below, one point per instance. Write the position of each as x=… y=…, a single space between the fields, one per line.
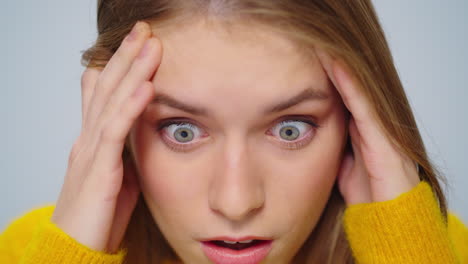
x=237 y=239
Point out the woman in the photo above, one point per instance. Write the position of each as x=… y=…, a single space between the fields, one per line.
x=234 y=120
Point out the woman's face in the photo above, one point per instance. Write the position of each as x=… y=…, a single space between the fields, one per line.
x=244 y=138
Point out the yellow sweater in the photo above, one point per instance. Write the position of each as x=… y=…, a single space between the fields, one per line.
x=407 y=229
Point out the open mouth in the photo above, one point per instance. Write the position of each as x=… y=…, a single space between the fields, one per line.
x=237 y=245
x=246 y=252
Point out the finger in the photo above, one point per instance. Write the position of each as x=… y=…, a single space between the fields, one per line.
x=327 y=60
x=345 y=85
x=117 y=68
x=351 y=92
x=385 y=165
x=142 y=69
x=353 y=97
x=88 y=82
x=109 y=150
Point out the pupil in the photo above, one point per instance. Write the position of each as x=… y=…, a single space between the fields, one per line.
x=289 y=132
x=184 y=134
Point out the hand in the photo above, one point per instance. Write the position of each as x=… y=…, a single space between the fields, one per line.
x=375 y=171
x=99 y=193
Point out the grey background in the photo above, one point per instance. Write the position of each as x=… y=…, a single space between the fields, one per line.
x=40 y=102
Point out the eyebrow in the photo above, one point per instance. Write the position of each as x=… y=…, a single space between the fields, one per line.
x=309 y=94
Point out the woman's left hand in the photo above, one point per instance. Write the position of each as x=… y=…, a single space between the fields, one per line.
x=376 y=171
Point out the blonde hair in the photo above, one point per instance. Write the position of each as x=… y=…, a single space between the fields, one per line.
x=349 y=30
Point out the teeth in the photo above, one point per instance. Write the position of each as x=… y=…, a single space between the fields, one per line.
x=234 y=242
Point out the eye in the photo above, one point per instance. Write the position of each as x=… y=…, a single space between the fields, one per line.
x=293 y=133
x=180 y=135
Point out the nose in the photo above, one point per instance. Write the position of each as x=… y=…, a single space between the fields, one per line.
x=236 y=190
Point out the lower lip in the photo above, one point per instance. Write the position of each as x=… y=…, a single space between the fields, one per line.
x=250 y=255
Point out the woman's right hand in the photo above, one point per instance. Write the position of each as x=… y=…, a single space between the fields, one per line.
x=99 y=192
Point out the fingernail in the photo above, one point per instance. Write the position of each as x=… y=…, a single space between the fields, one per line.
x=134 y=33
x=144 y=51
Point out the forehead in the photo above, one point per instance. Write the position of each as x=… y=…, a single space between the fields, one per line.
x=241 y=62
x=213 y=45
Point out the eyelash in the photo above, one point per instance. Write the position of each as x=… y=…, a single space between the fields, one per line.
x=178 y=147
x=290 y=145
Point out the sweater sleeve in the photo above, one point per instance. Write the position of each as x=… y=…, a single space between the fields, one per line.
x=408 y=229
x=33 y=238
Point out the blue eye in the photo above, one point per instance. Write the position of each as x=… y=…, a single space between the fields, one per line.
x=289 y=133
x=291 y=130
x=182 y=132
x=294 y=133
x=183 y=136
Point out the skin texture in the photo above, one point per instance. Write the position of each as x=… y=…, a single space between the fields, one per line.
x=238 y=177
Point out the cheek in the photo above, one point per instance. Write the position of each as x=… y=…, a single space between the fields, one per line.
x=303 y=180
x=174 y=191
x=298 y=183
x=166 y=181
x=171 y=182
x=303 y=187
